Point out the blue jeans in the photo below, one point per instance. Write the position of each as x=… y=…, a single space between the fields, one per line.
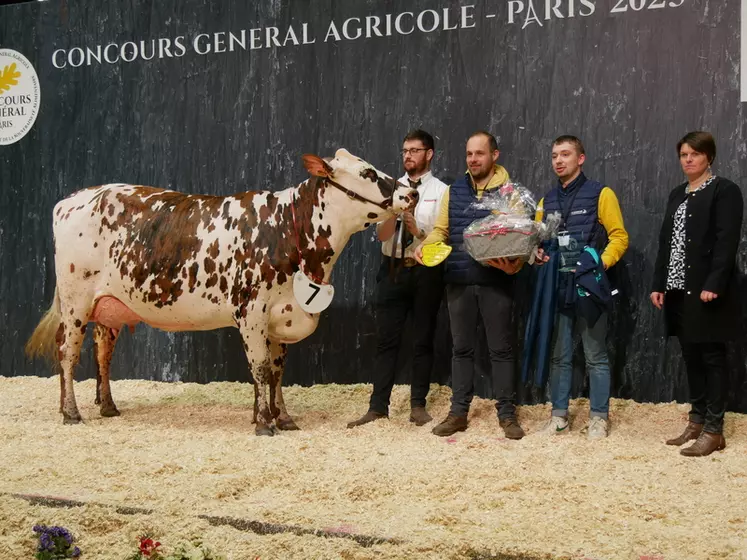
x=597 y=364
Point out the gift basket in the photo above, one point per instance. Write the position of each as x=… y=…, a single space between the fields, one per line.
x=510 y=229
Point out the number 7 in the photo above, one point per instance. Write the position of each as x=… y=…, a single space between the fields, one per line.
x=312 y=296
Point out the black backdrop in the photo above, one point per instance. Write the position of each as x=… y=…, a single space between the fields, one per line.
x=628 y=81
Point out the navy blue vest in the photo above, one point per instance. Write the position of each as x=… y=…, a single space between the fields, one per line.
x=579 y=205
x=461 y=268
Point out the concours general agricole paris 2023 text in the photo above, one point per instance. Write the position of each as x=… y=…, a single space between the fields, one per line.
x=523 y=13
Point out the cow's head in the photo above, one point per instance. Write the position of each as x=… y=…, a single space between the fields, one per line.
x=372 y=194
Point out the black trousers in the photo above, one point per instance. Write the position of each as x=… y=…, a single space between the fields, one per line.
x=494 y=304
x=706 y=367
x=418 y=291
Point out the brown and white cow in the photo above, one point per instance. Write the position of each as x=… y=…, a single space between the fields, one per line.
x=128 y=254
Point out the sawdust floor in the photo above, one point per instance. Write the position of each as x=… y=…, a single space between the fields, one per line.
x=184 y=450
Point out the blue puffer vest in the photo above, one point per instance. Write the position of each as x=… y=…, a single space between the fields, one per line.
x=579 y=204
x=460 y=267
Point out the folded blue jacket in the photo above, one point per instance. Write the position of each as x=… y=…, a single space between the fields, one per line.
x=592 y=287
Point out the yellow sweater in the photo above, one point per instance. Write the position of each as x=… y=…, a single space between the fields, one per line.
x=441 y=228
x=611 y=218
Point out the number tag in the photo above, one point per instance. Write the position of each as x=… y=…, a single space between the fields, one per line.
x=312 y=297
x=564 y=238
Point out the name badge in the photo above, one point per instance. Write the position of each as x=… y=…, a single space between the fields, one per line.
x=312 y=297
x=564 y=238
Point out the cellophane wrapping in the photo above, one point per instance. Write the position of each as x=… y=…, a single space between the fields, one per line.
x=510 y=230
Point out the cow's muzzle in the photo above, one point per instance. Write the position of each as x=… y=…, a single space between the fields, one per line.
x=404 y=199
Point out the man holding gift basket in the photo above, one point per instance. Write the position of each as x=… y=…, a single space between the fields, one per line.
x=474 y=287
x=592 y=238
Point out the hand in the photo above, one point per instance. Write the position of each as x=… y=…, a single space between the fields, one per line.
x=418 y=255
x=657 y=298
x=706 y=297
x=411 y=224
x=509 y=266
x=541 y=257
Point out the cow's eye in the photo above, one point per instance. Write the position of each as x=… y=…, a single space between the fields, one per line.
x=370 y=174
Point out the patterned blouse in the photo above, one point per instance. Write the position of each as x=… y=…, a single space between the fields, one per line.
x=676 y=271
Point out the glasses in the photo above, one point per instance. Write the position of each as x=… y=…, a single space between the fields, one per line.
x=412 y=151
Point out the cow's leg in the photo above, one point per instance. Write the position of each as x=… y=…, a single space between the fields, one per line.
x=97 y=400
x=256 y=404
x=104 y=340
x=272 y=347
x=70 y=338
x=283 y=420
x=253 y=330
x=62 y=382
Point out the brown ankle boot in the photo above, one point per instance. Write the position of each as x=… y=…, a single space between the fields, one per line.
x=451 y=425
x=692 y=431
x=419 y=416
x=706 y=444
x=369 y=416
x=511 y=427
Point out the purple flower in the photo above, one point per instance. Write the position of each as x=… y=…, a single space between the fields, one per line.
x=56 y=540
x=46 y=542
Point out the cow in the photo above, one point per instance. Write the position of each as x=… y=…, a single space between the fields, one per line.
x=128 y=254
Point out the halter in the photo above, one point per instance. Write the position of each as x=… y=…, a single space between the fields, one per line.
x=384 y=204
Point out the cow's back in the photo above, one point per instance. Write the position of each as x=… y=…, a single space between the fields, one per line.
x=150 y=248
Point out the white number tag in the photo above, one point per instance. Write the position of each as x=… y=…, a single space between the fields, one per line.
x=312 y=297
x=564 y=238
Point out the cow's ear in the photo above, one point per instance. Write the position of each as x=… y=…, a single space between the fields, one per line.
x=316 y=166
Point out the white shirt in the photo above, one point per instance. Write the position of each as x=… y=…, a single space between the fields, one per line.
x=430 y=193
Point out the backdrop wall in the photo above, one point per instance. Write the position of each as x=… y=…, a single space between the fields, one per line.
x=220 y=97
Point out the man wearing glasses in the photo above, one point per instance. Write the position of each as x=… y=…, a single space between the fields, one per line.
x=404 y=286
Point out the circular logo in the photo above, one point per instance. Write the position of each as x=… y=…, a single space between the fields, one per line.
x=19 y=96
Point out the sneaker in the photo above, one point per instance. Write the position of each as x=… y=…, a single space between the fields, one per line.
x=558 y=425
x=597 y=428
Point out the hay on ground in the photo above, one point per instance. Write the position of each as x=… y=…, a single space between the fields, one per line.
x=182 y=455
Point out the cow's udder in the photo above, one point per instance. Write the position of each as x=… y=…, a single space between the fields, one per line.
x=112 y=313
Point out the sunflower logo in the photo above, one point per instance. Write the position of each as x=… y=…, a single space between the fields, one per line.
x=9 y=77
x=20 y=96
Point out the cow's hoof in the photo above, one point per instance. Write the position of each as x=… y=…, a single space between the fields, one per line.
x=287 y=425
x=263 y=430
x=109 y=411
x=68 y=419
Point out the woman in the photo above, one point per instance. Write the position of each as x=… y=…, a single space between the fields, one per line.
x=695 y=283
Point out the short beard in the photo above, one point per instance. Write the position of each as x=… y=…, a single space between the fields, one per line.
x=418 y=170
x=481 y=176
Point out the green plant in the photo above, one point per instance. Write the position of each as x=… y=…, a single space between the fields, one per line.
x=151 y=550
x=55 y=543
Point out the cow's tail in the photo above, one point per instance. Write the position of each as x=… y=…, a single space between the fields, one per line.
x=43 y=342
